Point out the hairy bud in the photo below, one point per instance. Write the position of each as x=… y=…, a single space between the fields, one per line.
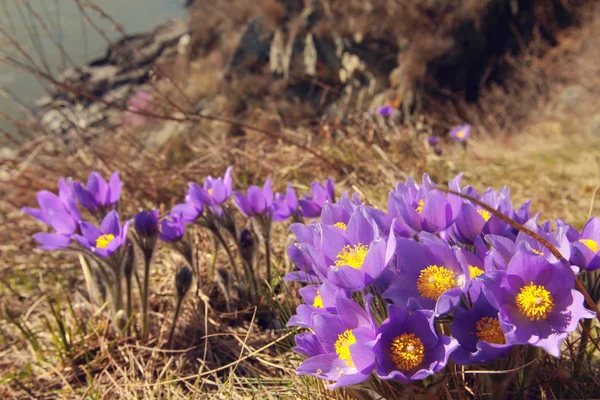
x=183 y=281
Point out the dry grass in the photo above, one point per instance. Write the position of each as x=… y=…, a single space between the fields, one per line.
x=53 y=344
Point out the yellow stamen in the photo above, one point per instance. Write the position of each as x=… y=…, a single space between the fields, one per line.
x=474 y=271
x=488 y=330
x=407 y=351
x=591 y=244
x=103 y=240
x=434 y=280
x=340 y=225
x=352 y=256
x=420 y=206
x=460 y=134
x=485 y=214
x=342 y=347
x=318 y=301
x=535 y=302
x=539 y=253
x=210 y=191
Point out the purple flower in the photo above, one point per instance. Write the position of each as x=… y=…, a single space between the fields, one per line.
x=98 y=193
x=188 y=211
x=214 y=192
x=473 y=220
x=479 y=334
x=338 y=214
x=59 y=212
x=257 y=201
x=172 y=227
x=536 y=299
x=430 y=276
x=407 y=347
x=504 y=248
x=346 y=358
x=285 y=206
x=312 y=204
x=433 y=140
x=423 y=208
x=585 y=247
x=460 y=133
x=352 y=257
x=385 y=111
x=106 y=240
x=318 y=299
x=308 y=345
x=146 y=223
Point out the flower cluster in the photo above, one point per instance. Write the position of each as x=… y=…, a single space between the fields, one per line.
x=382 y=285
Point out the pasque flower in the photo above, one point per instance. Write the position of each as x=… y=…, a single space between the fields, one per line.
x=59 y=212
x=352 y=256
x=346 y=358
x=214 y=192
x=172 y=228
x=106 y=240
x=317 y=299
x=460 y=133
x=430 y=276
x=473 y=220
x=407 y=347
x=285 y=205
x=536 y=300
x=479 y=334
x=586 y=246
x=424 y=208
x=312 y=204
x=146 y=223
x=257 y=201
x=98 y=194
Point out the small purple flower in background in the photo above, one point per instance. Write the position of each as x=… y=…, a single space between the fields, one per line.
x=285 y=205
x=214 y=192
x=479 y=334
x=536 y=299
x=312 y=204
x=257 y=201
x=460 y=133
x=346 y=357
x=172 y=228
x=59 y=212
x=146 y=223
x=586 y=246
x=433 y=140
x=141 y=101
x=407 y=347
x=106 y=240
x=385 y=111
x=188 y=211
x=98 y=194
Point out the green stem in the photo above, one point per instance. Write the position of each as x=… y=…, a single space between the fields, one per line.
x=582 y=350
x=211 y=272
x=145 y=296
x=221 y=239
x=268 y=254
x=175 y=318
x=118 y=300
x=129 y=303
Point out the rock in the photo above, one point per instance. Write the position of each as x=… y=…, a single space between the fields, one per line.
x=252 y=49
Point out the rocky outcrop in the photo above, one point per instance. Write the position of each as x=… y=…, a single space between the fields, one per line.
x=83 y=94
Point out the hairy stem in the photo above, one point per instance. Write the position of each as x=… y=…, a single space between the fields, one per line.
x=145 y=296
x=174 y=323
x=582 y=350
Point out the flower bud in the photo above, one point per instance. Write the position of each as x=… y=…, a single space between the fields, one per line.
x=183 y=281
x=247 y=245
x=120 y=321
